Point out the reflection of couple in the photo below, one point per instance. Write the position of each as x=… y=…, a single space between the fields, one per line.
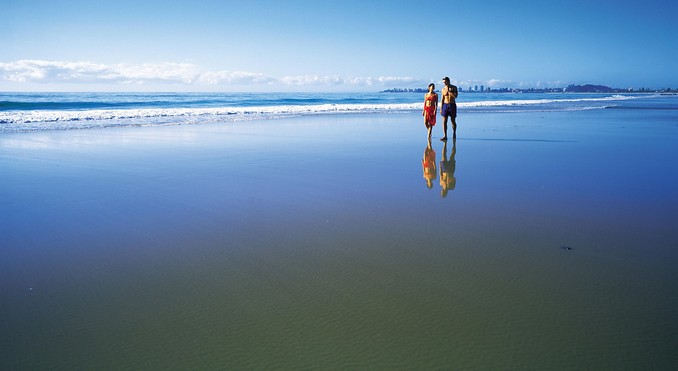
x=447 y=167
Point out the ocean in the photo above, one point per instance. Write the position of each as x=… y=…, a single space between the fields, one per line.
x=29 y=112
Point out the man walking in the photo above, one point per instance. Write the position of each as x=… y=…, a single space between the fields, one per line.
x=448 y=107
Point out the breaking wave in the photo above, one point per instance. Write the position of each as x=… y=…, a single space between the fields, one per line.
x=45 y=114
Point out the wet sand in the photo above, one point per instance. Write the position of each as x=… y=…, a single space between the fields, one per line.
x=316 y=242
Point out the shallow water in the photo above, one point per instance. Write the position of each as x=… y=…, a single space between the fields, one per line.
x=315 y=242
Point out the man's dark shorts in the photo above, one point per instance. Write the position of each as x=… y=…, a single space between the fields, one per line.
x=449 y=109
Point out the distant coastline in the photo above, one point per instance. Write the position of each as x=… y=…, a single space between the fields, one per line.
x=401 y=90
x=588 y=88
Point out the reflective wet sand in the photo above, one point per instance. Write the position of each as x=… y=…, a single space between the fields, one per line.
x=533 y=241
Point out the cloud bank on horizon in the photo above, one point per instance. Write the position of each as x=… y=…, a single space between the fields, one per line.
x=188 y=76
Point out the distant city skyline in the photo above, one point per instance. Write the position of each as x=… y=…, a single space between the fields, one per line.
x=349 y=45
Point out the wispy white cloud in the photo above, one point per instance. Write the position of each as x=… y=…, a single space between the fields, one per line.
x=38 y=71
x=311 y=80
x=355 y=81
x=497 y=83
x=234 y=78
x=59 y=72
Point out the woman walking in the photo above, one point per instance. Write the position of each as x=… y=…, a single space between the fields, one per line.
x=430 y=108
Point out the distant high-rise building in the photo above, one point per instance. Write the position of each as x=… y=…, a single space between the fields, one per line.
x=482 y=88
x=476 y=88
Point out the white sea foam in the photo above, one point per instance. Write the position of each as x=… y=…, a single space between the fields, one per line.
x=120 y=114
x=32 y=120
x=532 y=102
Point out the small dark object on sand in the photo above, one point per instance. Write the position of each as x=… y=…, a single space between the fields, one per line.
x=566 y=248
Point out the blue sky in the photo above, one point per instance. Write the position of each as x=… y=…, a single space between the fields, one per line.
x=365 y=45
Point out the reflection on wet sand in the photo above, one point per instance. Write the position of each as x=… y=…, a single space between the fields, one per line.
x=447 y=167
x=428 y=164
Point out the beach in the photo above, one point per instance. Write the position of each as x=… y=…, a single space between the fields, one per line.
x=315 y=242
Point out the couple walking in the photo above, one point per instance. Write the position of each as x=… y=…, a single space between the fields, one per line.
x=448 y=107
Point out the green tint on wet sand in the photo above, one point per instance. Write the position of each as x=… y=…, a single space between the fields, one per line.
x=316 y=242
